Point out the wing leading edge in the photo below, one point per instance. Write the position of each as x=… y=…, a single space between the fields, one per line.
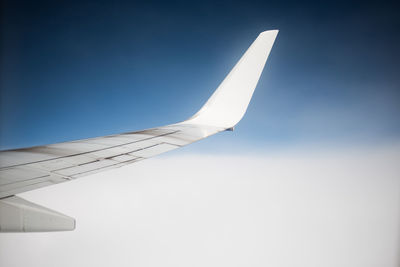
x=30 y=168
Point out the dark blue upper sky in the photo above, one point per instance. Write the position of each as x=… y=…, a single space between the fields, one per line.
x=72 y=70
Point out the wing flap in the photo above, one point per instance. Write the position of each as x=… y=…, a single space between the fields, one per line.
x=153 y=150
x=15 y=187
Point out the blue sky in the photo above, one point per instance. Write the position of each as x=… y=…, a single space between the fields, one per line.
x=72 y=70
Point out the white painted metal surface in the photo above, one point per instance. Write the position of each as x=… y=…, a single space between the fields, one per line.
x=228 y=104
x=20 y=215
x=29 y=168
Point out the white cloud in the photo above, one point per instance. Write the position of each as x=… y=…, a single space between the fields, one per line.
x=291 y=209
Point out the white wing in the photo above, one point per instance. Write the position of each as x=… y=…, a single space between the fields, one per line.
x=30 y=168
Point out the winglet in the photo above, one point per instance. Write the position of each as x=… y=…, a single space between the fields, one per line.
x=228 y=104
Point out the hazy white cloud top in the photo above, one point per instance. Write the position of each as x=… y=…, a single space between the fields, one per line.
x=290 y=209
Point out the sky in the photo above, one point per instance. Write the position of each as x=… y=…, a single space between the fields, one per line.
x=73 y=70
x=309 y=177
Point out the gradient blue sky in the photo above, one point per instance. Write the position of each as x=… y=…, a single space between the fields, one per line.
x=72 y=70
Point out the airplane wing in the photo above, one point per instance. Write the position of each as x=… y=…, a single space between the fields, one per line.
x=30 y=168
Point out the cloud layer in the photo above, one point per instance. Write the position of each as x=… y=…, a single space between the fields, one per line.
x=293 y=209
